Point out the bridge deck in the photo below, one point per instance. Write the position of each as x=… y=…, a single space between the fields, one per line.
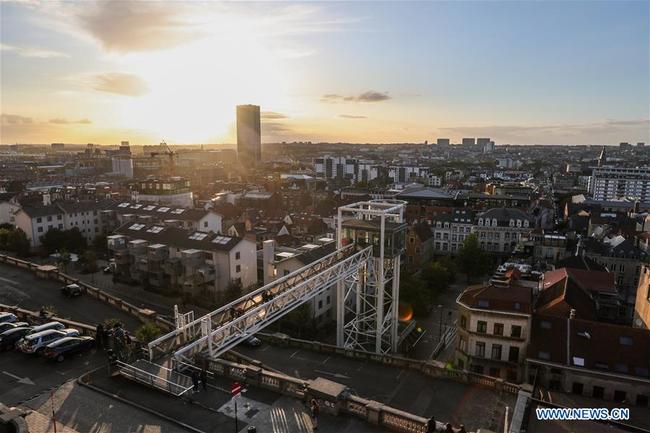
x=156 y=376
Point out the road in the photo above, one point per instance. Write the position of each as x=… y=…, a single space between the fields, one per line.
x=446 y=316
x=24 y=376
x=21 y=288
x=408 y=390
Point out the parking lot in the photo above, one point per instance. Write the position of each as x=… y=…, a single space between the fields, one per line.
x=24 y=376
x=21 y=288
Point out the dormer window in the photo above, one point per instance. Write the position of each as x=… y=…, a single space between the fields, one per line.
x=494 y=222
x=525 y=223
x=518 y=223
x=480 y=221
x=512 y=223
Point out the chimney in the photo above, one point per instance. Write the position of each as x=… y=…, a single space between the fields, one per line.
x=47 y=200
x=572 y=313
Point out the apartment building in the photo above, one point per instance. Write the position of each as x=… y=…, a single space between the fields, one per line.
x=408 y=173
x=451 y=229
x=345 y=167
x=494 y=326
x=642 y=304
x=614 y=183
x=176 y=260
x=500 y=229
x=188 y=218
x=419 y=243
x=90 y=217
x=279 y=261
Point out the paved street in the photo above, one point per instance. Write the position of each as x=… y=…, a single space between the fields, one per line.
x=411 y=391
x=445 y=316
x=25 y=376
x=23 y=289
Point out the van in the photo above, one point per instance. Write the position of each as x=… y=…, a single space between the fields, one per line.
x=35 y=343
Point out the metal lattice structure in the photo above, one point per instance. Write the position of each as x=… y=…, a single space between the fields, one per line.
x=368 y=301
x=361 y=272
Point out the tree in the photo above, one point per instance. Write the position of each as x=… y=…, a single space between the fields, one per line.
x=414 y=293
x=100 y=244
x=436 y=277
x=147 y=332
x=233 y=291
x=4 y=237
x=301 y=321
x=89 y=261
x=18 y=243
x=472 y=260
x=64 y=259
x=53 y=240
x=75 y=241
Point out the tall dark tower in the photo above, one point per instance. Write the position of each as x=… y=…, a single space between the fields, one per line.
x=602 y=159
x=249 y=142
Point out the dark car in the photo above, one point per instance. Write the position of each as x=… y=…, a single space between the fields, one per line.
x=9 y=338
x=71 y=290
x=68 y=346
x=7 y=326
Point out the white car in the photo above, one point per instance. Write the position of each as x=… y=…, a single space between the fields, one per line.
x=57 y=326
x=7 y=317
x=35 y=343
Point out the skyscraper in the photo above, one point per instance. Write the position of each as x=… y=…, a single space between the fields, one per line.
x=249 y=143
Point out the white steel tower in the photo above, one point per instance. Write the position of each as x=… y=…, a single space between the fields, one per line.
x=368 y=300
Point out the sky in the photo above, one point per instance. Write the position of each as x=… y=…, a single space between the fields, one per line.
x=542 y=72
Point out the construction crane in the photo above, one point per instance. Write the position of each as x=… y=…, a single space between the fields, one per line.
x=170 y=153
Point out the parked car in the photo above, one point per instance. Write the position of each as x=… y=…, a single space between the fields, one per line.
x=9 y=337
x=35 y=343
x=47 y=326
x=68 y=346
x=7 y=325
x=253 y=341
x=71 y=290
x=7 y=317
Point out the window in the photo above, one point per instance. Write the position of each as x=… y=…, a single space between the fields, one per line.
x=39 y=220
x=49 y=218
x=496 y=351
x=498 y=329
x=238 y=269
x=483 y=303
x=40 y=229
x=320 y=304
x=619 y=396
x=237 y=255
x=598 y=392
x=545 y=324
x=515 y=331
x=481 y=327
x=286 y=272
x=463 y=322
x=205 y=223
x=480 y=349
x=328 y=300
x=513 y=355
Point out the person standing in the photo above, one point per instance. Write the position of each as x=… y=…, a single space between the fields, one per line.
x=99 y=336
x=204 y=379
x=195 y=381
x=314 y=409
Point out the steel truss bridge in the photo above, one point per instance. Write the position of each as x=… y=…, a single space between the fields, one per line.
x=363 y=269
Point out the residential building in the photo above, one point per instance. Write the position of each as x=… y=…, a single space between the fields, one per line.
x=172 y=191
x=249 y=139
x=499 y=230
x=494 y=327
x=175 y=260
x=278 y=261
x=451 y=229
x=615 y=183
x=407 y=173
x=419 y=243
x=206 y=220
x=642 y=304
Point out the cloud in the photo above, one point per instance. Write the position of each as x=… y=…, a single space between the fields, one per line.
x=136 y=26
x=30 y=52
x=119 y=83
x=15 y=119
x=352 y=116
x=271 y=115
x=369 y=96
x=60 y=121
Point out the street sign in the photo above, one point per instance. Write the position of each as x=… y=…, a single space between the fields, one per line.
x=235 y=389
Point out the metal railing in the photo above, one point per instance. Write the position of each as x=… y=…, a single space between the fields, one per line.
x=156 y=380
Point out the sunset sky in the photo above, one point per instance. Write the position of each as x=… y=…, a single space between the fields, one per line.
x=519 y=72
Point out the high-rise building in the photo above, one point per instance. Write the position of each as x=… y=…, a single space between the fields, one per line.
x=249 y=142
x=442 y=142
x=469 y=141
x=615 y=183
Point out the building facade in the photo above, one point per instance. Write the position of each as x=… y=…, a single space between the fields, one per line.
x=499 y=230
x=613 y=183
x=249 y=138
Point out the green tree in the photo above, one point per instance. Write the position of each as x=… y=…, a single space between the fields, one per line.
x=147 y=332
x=472 y=260
x=414 y=293
x=75 y=241
x=4 y=237
x=64 y=259
x=233 y=291
x=53 y=240
x=18 y=243
x=300 y=322
x=436 y=277
x=89 y=261
x=100 y=244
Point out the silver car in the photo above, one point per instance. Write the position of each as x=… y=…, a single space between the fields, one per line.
x=35 y=343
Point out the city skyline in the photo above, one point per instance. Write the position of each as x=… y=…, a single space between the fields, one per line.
x=520 y=73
